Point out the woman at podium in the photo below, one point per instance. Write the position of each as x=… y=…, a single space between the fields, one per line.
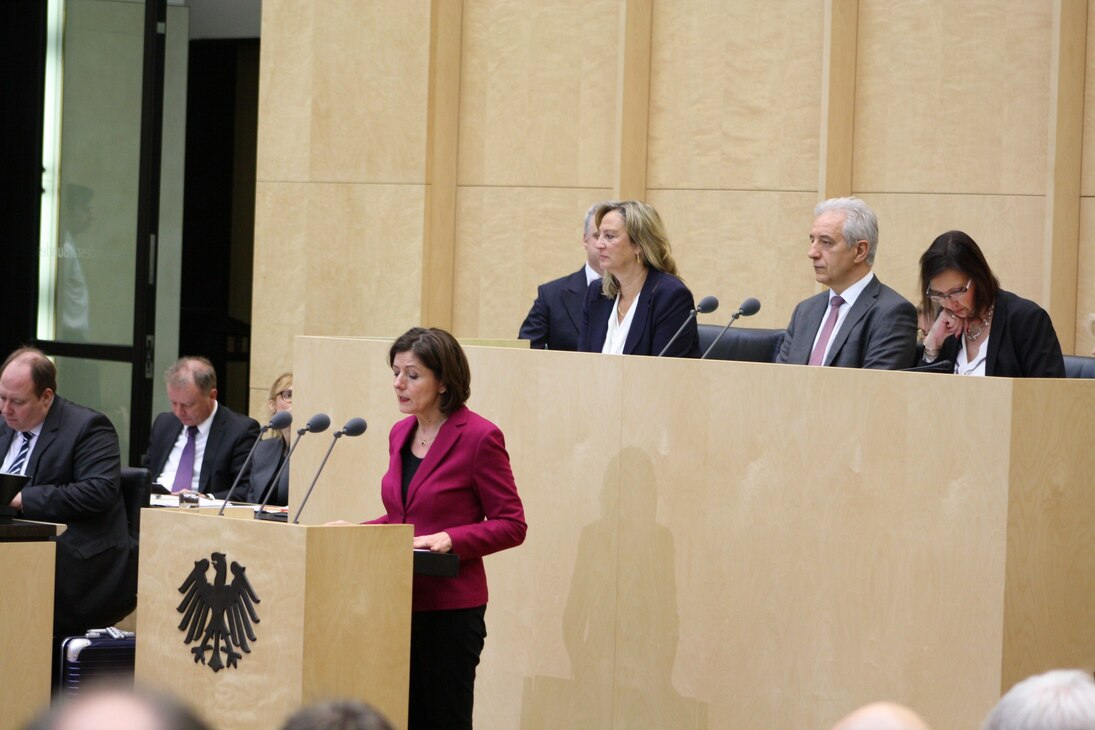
x=981 y=328
x=448 y=475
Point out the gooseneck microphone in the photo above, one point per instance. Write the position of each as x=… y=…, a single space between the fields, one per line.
x=707 y=305
x=316 y=424
x=353 y=427
x=747 y=309
x=281 y=419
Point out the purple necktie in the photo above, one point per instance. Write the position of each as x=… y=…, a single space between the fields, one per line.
x=185 y=474
x=817 y=357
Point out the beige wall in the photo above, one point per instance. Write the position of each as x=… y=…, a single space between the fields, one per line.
x=429 y=161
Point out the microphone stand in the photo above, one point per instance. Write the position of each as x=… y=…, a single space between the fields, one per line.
x=243 y=468
x=687 y=321
x=716 y=341
x=274 y=482
x=337 y=435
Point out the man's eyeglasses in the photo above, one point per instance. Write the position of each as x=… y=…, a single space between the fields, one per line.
x=936 y=296
x=286 y=395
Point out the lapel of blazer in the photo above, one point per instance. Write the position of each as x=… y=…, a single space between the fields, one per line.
x=996 y=336
x=49 y=432
x=865 y=301
x=446 y=439
x=807 y=326
x=212 y=446
x=642 y=317
x=574 y=296
x=600 y=308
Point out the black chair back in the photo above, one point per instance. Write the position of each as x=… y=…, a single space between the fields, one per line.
x=1079 y=366
x=750 y=344
x=136 y=492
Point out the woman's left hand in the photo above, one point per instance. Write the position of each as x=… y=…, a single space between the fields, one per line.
x=439 y=542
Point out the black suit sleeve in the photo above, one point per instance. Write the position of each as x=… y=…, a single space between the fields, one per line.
x=96 y=476
x=669 y=314
x=240 y=449
x=537 y=325
x=1036 y=345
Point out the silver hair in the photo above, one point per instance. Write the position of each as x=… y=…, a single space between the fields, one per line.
x=1061 y=699
x=860 y=222
x=589 y=217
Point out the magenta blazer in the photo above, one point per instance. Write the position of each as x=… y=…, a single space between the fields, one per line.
x=463 y=487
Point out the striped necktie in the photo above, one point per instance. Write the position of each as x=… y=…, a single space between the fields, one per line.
x=20 y=462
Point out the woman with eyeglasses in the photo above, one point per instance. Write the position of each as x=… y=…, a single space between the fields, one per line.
x=271 y=451
x=981 y=328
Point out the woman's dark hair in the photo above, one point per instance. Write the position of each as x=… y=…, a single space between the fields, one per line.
x=956 y=250
x=442 y=354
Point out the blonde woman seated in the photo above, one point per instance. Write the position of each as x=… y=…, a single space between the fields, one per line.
x=271 y=451
x=980 y=327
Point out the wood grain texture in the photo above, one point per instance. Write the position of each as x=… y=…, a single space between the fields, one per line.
x=952 y=97
x=286 y=75
x=735 y=95
x=26 y=605
x=838 y=65
x=1085 y=280
x=317 y=610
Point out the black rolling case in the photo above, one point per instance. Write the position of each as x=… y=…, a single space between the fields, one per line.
x=100 y=655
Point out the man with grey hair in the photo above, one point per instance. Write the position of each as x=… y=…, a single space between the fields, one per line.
x=201 y=445
x=1061 y=699
x=859 y=322
x=553 y=321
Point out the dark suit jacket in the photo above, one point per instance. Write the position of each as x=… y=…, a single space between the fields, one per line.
x=463 y=487
x=879 y=331
x=75 y=478
x=267 y=459
x=664 y=305
x=556 y=315
x=230 y=438
x=1022 y=341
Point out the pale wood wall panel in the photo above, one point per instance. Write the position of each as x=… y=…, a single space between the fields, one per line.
x=508 y=242
x=1008 y=230
x=952 y=97
x=538 y=93
x=285 y=95
x=1085 y=280
x=371 y=62
x=741 y=244
x=735 y=95
x=1087 y=172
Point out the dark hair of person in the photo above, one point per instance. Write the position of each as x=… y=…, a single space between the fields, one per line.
x=337 y=715
x=957 y=251
x=442 y=354
x=43 y=373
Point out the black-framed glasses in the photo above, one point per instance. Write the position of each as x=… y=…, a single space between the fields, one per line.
x=936 y=296
x=286 y=395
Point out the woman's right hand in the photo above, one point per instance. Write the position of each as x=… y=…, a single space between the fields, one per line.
x=946 y=324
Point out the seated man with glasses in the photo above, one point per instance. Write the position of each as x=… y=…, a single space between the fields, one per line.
x=980 y=327
x=859 y=322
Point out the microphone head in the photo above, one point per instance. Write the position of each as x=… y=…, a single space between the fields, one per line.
x=318 y=423
x=750 y=307
x=281 y=419
x=354 y=427
x=707 y=305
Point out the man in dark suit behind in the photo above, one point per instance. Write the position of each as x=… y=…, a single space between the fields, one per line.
x=201 y=445
x=553 y=321
x=71 y=455
x=859 y=322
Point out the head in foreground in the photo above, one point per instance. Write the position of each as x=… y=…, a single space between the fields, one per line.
x=1061 y=699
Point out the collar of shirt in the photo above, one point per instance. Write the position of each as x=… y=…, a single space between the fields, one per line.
x=591 y=275
x=851 y=294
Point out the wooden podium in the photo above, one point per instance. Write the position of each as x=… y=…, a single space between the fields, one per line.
x=333 y=607
x=27 y=559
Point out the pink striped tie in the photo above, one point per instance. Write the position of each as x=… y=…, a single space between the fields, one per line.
x=818 y=355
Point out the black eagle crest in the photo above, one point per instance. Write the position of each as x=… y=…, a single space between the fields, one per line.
x=218 y=614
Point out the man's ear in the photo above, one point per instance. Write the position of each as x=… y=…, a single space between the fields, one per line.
x=862 y=248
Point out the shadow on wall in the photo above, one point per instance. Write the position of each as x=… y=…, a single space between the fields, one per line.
x=621 y=622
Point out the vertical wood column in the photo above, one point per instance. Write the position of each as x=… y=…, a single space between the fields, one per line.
x=1066 y=131
x=443 y=120
x=838 y=69
x=633 y=100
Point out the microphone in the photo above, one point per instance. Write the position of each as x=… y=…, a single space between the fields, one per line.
x=747 y=309
x=353 y=427
x=316 y=424
x=281 y=419
x=707 y=305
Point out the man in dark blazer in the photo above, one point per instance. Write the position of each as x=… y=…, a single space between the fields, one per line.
x=72 y=458
x=556 y=315
x=221 y=437
x=859 y=322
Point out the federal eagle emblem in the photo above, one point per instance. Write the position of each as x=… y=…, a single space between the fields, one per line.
x=218 y=614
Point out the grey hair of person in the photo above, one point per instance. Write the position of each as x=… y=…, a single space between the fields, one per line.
x=589 y=218
x=860 y=222
x=191 y=369
x=1060 y=699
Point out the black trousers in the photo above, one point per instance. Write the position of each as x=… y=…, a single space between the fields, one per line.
x=445 y=649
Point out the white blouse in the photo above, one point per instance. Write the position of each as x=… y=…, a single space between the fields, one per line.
x=617 y=330
x=962 y=365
